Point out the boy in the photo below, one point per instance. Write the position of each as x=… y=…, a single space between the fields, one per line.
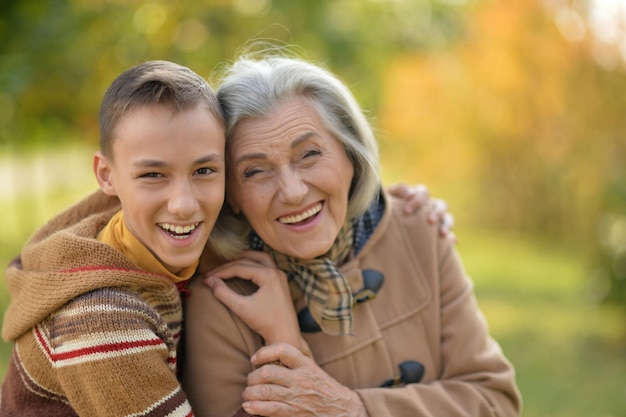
x=96 y=314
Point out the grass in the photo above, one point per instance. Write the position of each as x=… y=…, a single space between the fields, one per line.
x=569 y=352
x=35 y=187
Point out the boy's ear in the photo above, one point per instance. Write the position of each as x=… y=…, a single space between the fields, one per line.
x=102 y=169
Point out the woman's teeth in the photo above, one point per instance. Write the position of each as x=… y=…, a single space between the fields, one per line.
x=301 y=217
x=178 y=230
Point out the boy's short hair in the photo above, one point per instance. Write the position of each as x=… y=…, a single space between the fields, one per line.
x=152 y=83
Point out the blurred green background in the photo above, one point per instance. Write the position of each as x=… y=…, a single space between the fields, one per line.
x=514 y=112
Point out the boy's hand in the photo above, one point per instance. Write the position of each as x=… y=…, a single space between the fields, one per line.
x=416 y=197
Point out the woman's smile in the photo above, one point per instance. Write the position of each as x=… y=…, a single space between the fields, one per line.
x=303 y=217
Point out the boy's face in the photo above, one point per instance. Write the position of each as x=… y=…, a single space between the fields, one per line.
x=168 y=171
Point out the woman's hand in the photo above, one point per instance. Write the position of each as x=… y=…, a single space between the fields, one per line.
x=269 y=311
x=416 y=197
x=299 y=388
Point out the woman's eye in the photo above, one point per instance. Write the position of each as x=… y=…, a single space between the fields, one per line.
x=311 y=153
x=250 y=172
x=309 y=156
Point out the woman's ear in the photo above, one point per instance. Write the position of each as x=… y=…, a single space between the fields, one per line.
x=102 y=170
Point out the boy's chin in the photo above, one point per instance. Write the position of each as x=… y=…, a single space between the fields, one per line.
x=177 y=265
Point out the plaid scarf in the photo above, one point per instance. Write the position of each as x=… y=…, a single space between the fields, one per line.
x=326 y=290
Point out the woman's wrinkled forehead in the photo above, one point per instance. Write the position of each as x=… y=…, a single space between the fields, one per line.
x=289 y=124
x=283 y=115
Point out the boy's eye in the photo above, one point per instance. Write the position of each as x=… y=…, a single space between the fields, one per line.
x=205 y=171
x=151 y=175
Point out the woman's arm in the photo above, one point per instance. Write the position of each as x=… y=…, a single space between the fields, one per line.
x=217 y=347
x=268 y=311
x=227 y=321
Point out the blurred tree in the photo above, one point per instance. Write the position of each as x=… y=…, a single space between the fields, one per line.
x=497 y=94
x=528 y=122
x=58 y=56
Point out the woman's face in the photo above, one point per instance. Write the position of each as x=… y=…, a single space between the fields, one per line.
x=290 y=178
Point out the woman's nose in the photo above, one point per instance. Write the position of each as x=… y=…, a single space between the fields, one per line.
x=292 y=186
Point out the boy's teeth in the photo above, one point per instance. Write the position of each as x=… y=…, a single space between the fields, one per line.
x=300 y=217
x=179 y=230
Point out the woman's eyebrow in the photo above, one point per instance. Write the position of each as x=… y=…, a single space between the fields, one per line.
x=256 y=155
x=261 y=155
x=303 y=138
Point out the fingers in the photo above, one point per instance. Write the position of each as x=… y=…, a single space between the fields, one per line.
x=418 y=198
x=249 y=266
x=437 y=210
x=269 y=374
x=420 y=191
x=287 y=354
x=271 y=282
x=248 y=269
x=268 y=310
x=446 y=222
x=303 y=390
x=415 y=197
x=225 y=294
x=438 y=215
x=262 y=258
x=269 y=396
x=245 y=269
x=268 y=400
x=267 y=408
x=400 y=190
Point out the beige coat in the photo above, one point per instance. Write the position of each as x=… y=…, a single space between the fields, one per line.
x=425 y=311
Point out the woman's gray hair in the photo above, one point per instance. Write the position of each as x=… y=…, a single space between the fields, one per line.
x=256 y=86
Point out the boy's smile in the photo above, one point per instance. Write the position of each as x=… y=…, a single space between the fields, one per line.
x=178 y=232
x=168 y=171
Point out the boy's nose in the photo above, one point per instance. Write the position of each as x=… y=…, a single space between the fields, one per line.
x=182 y=201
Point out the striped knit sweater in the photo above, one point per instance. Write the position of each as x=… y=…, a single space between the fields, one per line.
x=93 y=335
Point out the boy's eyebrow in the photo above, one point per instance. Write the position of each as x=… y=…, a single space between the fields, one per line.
x=156 y=163
x=209 y=158
x=149 y=163
x=261 y=155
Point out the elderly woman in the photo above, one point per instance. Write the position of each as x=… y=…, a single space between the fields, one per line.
x=384 y=306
